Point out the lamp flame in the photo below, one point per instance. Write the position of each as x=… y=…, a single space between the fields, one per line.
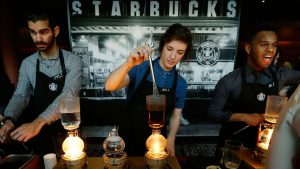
x=73 y=147
x=264 y=137
x=156 y=144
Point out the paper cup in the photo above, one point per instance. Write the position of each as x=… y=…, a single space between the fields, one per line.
x=50 y=160
x=213 y=167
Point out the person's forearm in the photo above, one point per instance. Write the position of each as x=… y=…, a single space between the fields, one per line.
x=174 y=124
x=117 y=79
x=39 y=122
x=50 y=114
x=252 y=119
x=237 y=117
x=21 y=96
x=28 y=130
x=16 y=105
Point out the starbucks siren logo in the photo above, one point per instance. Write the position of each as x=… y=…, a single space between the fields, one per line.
x=53 y=87
x=207 y=53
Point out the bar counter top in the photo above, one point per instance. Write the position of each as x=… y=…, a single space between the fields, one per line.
x=133 y=162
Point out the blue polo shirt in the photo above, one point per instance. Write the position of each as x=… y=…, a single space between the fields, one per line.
x=164 y=79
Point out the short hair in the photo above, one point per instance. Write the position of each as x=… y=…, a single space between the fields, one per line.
x=42 y=13
x=253 y=32
x=177 y=32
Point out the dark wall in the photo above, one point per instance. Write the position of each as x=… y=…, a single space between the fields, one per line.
x=20 y=36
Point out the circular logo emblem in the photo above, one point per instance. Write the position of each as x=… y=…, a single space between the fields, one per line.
x=207 y=53
x=53 y=86
x=261 y=97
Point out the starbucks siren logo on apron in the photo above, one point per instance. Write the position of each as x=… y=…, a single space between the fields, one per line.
x=261 y=97
x=53 y=86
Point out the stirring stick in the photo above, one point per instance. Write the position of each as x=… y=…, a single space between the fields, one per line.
x=240 y=130
x=151 y=45
x=155 y=90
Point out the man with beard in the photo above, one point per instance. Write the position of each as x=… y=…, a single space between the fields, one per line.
x=44 y=77
x=239 y=98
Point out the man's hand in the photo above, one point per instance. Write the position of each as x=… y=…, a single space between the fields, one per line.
x=253 y=119
x=7 y=126
x=138 y=55
x=28 y=130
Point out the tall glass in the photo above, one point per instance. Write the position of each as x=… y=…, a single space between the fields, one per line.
x=69 y=107
x=273 y=107
x=231 y=157
x=156 y=106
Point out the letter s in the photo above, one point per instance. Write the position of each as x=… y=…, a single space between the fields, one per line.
x=76 y=5
x=231 y=6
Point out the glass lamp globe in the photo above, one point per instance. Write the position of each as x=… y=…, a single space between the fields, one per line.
x=73 y=147
x=156 y=145
x=113 y=145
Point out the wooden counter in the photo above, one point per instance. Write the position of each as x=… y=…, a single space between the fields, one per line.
x=249 y=160
x=133 y=162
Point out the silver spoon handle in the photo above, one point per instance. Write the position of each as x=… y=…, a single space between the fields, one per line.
x=151 y=45
x=240 y=130
x=151 y=69
x=155 y=90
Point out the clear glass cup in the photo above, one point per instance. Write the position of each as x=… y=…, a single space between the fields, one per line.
x=156 y=106
x=231 y=157
x=273 y=107
x=69 y=107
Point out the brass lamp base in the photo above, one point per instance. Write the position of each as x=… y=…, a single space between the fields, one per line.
x=119 y=162
x=156 y=163
x=79 y=163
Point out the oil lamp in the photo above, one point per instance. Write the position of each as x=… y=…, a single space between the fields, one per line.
x=156 y=144
x=114 y=156
x=74 y=156
x=156 y=155
x=264 y=135
x=263 y=140
x=73 y=145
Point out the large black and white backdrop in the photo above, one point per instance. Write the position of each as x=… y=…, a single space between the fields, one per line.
x=103 y=33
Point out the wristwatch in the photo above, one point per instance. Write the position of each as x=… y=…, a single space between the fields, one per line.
x=2 y=122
